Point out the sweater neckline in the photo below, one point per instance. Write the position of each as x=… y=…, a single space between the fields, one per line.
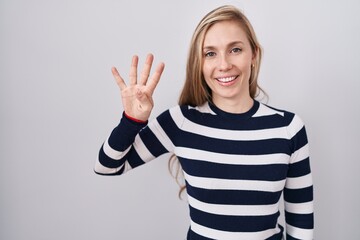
x=235 y=116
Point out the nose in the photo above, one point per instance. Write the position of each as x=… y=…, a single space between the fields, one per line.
x=224 y=63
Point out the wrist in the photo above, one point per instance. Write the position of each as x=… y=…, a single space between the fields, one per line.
x=134 y=119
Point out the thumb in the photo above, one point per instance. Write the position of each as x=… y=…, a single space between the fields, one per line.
x=140 y=95
x=144 y=99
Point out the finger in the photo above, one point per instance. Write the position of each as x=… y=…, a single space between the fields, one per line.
x=155 y=78
x=133 y=70
x=120 y=82
x=146 y=70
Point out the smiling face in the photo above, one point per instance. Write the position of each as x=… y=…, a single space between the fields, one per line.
x=226 y=67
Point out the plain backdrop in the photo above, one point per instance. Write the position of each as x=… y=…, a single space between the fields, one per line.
x=59 y=102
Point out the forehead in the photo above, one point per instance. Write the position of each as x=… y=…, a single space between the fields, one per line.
x=225 y=32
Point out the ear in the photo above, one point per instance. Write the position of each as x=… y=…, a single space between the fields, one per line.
x=254 y=55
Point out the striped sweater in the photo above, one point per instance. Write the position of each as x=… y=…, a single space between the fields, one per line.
x=236 y=168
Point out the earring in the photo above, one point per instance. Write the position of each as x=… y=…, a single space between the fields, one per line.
x=252 y=65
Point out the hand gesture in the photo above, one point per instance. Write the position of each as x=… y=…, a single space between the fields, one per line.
x=137 y=96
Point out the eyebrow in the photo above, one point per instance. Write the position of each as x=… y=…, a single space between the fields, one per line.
x=230 y=44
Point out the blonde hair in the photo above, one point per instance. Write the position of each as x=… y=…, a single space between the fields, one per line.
x=195 y=91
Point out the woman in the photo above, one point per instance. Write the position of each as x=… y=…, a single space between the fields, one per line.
x=238 y=155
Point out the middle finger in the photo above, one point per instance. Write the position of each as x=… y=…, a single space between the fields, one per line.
x=133 y=70
x=146 y=70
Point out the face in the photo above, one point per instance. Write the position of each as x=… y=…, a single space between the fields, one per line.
x=227 y=59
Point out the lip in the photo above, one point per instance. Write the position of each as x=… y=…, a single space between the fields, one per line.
x=226 y=80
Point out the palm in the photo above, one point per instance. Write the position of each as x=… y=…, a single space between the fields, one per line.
x=137 y=96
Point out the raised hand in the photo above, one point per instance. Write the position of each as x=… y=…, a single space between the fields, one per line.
x=137 y=96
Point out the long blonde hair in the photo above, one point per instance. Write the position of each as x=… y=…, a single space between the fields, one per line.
x=195 y=91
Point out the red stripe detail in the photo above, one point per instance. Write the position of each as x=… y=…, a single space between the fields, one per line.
x=134 y=119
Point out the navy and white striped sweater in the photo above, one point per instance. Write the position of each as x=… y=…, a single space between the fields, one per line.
x=236 y=167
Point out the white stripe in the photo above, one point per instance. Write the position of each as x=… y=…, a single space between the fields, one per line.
x=205 y=108
x=231 y=184
x=161 y=135
x=234 y=210
x=266 y=111
x=99 y=168
x=300 y=154
x=295 y=126
x=142 y=150
x=299 y=182
x=201 y=155
x=218 y=234
x=112 y=153
x=236 y=135
x=299 y=208
x=300 y=233
x=127 y=167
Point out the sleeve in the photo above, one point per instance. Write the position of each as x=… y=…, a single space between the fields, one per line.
x=298 y=192
x=129 y=145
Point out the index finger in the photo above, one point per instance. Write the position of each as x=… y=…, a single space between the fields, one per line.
x=119 y=80
x=155 y=78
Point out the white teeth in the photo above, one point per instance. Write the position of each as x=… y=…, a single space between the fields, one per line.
x=227 y=79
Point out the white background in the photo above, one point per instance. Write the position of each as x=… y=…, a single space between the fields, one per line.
x=59 y=102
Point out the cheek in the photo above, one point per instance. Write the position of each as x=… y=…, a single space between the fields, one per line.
x=204 y=69
x=207 y=80
x=207 y=71
x=246 y=68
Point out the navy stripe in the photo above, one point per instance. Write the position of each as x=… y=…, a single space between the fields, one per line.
x=270 y=172
x=191 y=235
x=234 y=223
x=121 y=171
x=298 y=169
x=151 y=142
x=255 y=147
x=107 y=161
x=304 y=221
x=125 y=134
x=233 y=197
x=134 y=159
x=299 y=140
x=168 y=124
x=298 y=195
x=288 y=237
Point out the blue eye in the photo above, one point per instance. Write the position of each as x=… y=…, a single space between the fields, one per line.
x=209 y=54
x=236 y=50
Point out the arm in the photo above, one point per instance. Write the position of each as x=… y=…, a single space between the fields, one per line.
x=115 y=151
x=298 y=192
x=137 y=103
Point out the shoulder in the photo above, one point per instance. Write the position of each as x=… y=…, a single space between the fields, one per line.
x=290 y=120
x=285 y=115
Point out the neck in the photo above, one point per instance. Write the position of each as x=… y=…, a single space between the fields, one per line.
x=235 y=106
